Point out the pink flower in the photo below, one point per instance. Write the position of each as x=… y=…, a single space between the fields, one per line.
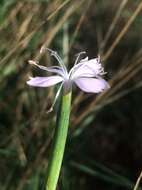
x=86 y=74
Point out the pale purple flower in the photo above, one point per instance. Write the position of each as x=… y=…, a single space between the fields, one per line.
x=86 y=74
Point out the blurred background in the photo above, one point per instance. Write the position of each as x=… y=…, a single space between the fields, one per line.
x=104 y=147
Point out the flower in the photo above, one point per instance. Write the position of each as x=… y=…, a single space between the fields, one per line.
x=86 y=74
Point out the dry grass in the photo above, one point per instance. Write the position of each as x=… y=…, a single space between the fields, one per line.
x=68 y=27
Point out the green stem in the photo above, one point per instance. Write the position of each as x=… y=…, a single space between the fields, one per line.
x=59 y=142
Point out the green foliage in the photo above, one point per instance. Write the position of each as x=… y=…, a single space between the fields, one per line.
x=104 y=128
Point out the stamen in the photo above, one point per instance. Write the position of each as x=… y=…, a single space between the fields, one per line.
x=33 y=62
x=39 y=66
x=78 y=56
x=57 y=57
x=99 y=59
x=76 y=61
x=55 y=99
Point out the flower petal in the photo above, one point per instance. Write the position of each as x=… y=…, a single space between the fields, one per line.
x=84 y=59
x=90 y=68
x=44 y=81
x=92 y=85
x=94 y=65
x=82 y=71
x=54 y=69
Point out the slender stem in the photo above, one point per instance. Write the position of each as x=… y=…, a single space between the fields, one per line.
x=59 y=142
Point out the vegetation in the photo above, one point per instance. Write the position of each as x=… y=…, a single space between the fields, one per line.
x=104 y=146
